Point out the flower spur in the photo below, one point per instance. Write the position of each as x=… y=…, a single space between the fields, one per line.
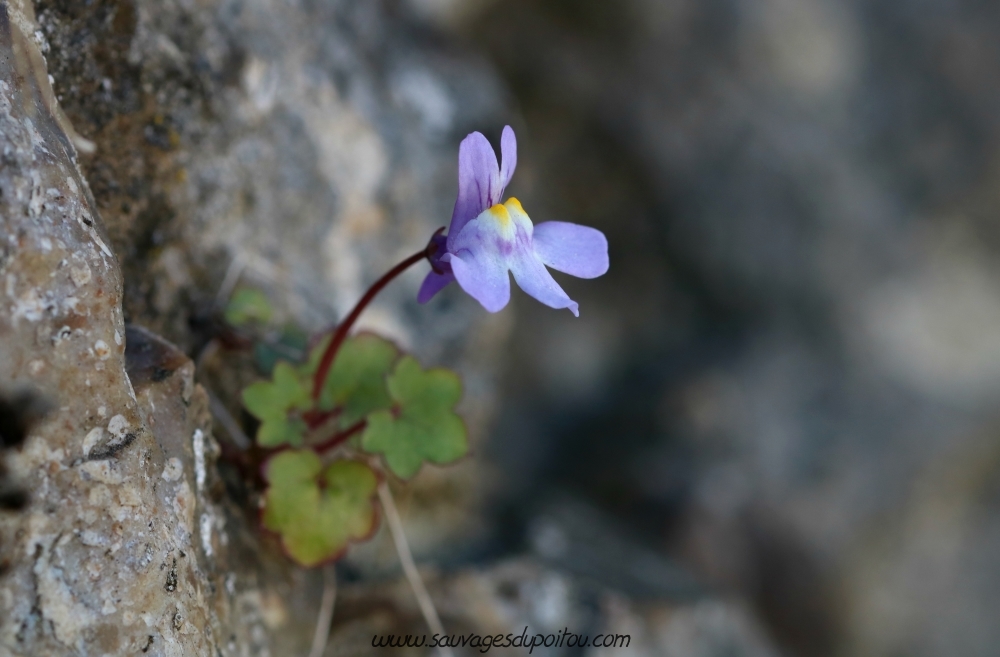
x=487 y=239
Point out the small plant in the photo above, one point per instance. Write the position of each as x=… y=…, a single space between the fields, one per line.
x=374 y=400
x=357 y=406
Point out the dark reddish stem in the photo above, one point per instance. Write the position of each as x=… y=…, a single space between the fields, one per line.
x=316 y=418
x=342 y=329
x=340 y=438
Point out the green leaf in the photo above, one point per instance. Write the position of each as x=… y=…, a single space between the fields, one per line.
x=356 y=381
x=281 y=431
x=421 y=426
x=318 y=510
x=248 y=305
x=272 y=402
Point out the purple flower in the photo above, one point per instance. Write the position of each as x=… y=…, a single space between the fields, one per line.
x=486 y=240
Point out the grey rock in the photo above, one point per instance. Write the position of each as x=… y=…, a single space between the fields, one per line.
x=102 y=560
x=301 y=147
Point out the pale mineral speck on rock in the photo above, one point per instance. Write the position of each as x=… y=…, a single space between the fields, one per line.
x=80 y=275
x=92 y=438
x=205 y=529
x=174 y=470
x=198 y=445
x=105 y=471
x=118 y=425
x=101 y=350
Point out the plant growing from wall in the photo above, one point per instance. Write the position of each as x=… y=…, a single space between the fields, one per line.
x=335 y=425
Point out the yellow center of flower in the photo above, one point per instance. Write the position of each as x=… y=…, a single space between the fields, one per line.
x=507 y=218
x=501 y=215
x=513 y=205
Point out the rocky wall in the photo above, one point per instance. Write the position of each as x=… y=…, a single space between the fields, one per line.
x=301 y=148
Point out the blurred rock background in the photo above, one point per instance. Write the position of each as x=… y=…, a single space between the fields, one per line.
x=789 y=379
x=773 y=429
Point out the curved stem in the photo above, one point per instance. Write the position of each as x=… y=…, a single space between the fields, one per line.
x=315 y=418
x=341 y=333
x=340 y=438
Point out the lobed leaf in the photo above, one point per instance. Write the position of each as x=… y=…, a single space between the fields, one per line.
x=316 y=510
x=356 y=382
x=273 y=401
x=421 y=425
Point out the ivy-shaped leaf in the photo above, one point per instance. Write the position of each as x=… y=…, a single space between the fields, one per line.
x=248 y=305
x=356 y=382
x=276 y=404
x=318 y=510
x=421 y=425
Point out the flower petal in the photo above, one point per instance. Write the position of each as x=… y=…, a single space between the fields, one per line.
x=433 y=283
x=577 y=250
x=484 y=277
x=478 y=182
x=532 y=277
x=508 y=158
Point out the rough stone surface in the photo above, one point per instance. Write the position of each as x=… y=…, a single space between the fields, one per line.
x=120 y=551
x=240 y=144
x=312 y=143
x=102 y=561
x=301 y=147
